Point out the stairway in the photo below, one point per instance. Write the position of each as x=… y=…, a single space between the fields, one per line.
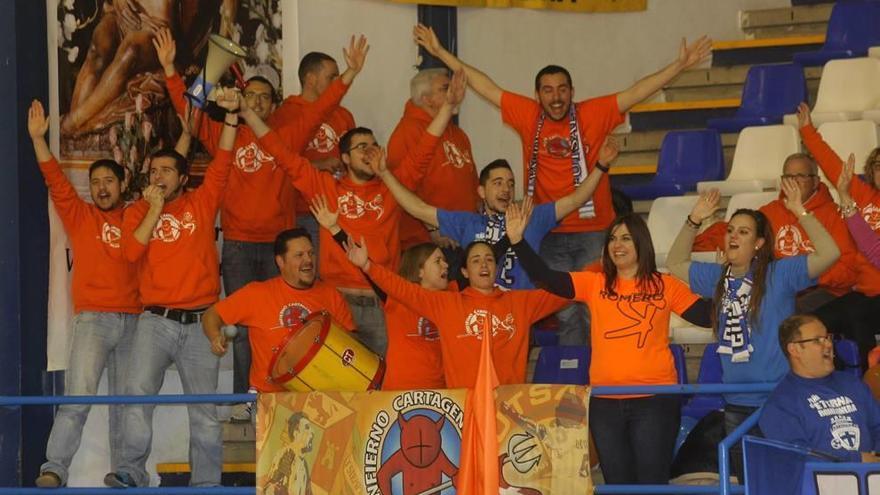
x=239 y=458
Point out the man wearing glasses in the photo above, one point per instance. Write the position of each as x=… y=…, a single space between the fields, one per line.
x=828 y=300
x=815 y=406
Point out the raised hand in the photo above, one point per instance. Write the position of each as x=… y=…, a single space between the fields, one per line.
x=319 y=208
x=690 y=55
x=376 y=158
x=425 y=37
x=229 y=99
x=706 y=206
x=357 y=253
x=457 y=88
x=517 y=218
x=166 y=50
x=845 y=179
x=154 y=196
x=793 y=200
x=356 y=53
x=609 y=150
x=803 y=115
x=37 y=123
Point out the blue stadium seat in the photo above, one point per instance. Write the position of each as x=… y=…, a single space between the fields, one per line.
x=710 y=372
x=852 y=29
x=686 y=157
x=848 y=352
x=680 y=366
x=770 y=92
x=563 y=364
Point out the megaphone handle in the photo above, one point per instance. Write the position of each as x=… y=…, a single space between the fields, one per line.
x=239 y=77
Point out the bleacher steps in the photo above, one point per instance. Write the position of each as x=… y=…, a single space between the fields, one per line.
x=723 y=82
x=785 y=21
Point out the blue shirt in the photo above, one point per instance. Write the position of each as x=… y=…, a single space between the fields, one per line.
x=785 y=278
x=466 y=227
x=836 y=414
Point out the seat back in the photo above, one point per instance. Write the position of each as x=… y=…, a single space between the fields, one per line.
x=750 y=200
x=853 y=26
x=773 y=90
x=710 y=365
x=666 y=218
x=849 y=85
x=848 y=352
x=680 y=363
x=563 y=364
x=690 y=156
x=761 y=151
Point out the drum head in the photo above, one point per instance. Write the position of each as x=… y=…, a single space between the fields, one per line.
x=299 y=347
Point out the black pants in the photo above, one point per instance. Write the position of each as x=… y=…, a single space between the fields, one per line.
x=635 y=438
x=853 y=316
x=733 y=417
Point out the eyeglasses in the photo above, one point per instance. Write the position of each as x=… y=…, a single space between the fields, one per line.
x=799 y=176
x=363 y=146
x=831 y=337
x=250 y=95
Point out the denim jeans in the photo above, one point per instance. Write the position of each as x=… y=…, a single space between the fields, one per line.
x=370 y=321
x=569 y=252
x=243 y=263
x=635 y=438
x=734 y=416
x=100 y=340
x=158 y=344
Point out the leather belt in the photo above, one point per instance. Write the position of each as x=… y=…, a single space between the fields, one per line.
x=182 y=316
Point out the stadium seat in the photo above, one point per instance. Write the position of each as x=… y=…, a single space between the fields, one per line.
x=664 y=222
x=770 y=92
x=680 y=363
x=852 y=29
x=563 y=364
x=686 y=157
x=848 y=352
x=859 y=137
x=710 y=372
x=752 y=201
x=848 y=89
x=757 y=160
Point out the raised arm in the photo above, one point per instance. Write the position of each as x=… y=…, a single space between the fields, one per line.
x=217 y=174
x=478 y=81
x=413 y=204
x=583 y=193
x=679 y=258
x=866 y=239
x=688 y=56
x=826 y=251
x=555 y=282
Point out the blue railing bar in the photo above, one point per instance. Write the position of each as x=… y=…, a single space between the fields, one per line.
x=163 y=490
x=724 y=448
x=702 y=388
x=661 y=489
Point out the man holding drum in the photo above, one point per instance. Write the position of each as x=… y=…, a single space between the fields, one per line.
x=271 y=308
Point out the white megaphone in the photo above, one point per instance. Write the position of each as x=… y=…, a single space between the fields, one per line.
x=222 y=53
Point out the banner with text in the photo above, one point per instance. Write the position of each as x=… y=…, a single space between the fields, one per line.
x=408 y=442
x=564 y=5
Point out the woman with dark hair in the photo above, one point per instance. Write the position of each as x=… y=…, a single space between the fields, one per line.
x=752 y=293
x=630 y=304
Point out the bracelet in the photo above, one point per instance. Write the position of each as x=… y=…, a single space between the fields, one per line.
x=690 y=223
x=603 y=168
x=848 y=210
x=234 y=111
x=230 y=125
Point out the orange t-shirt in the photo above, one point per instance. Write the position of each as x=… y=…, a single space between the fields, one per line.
x=790 y=239
x=103 y=280
x=259 y=202
x=178 y=268
x=268 y=309
x=461 y=316
x=324 y=143
x=413 y=359
x=630 y=330
x=365 y=210
x=451 y=180
x=597 y=117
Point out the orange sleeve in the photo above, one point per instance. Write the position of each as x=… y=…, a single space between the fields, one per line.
x=303 y=176
x=340 y=311
x=70 y=207
x=678 y=294
x=214 y=183
x=208 y=130
x=297 y=131
x=832 y=165
x=131 y=218
x=430 y=303
x=602 y=111
x=415 y=164
x=519 y=112
x=585 y=284
x=239 y=307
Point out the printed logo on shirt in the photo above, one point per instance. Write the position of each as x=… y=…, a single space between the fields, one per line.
x=557 y=146
x=790 y=242
x=169 y=228
x=844 y=431
x=871 y=212
x=110 y=235
x=251 y=158
x=292 y=314
x=475 y=322
x=425 y=329
x=325 y=139
x=454 y=156
x=639 y=309
x=351 y=205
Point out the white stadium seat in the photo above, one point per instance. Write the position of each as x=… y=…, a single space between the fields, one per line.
x=848 y=88
x=750 y=200
x=858 y=136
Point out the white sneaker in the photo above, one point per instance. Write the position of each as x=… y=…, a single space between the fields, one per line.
x=241 y=413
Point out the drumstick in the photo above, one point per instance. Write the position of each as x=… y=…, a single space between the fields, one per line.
x=437 y=489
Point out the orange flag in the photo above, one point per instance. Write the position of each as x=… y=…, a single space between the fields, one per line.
x=478 y=470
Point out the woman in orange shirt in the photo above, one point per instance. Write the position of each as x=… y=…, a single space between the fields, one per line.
x=630 y=303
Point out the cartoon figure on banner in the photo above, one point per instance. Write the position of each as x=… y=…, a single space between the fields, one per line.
x=420 y=460
x=289 y=474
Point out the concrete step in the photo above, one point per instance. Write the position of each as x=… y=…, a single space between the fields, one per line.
x=785 y=21
x=728 y=53
x=722 y=83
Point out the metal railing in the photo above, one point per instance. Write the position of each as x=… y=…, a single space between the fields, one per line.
x=723 y=488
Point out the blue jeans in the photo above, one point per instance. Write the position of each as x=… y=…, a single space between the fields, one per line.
x=635 y=438
x=158 y=344
x=370 y=322
x=243 y=263
x=569 y=252
x=100 y=340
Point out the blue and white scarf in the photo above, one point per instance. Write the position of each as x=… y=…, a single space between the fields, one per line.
x=735 y=330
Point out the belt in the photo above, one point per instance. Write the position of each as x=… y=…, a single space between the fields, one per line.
x=364 y=301
x=183 y=316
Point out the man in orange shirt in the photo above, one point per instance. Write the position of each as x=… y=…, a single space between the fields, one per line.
x=560 y=143
x=366 y=208
x=169 y=236
x=105 y=298
x=258 y=201
x=451 y=180
x=270 y=308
